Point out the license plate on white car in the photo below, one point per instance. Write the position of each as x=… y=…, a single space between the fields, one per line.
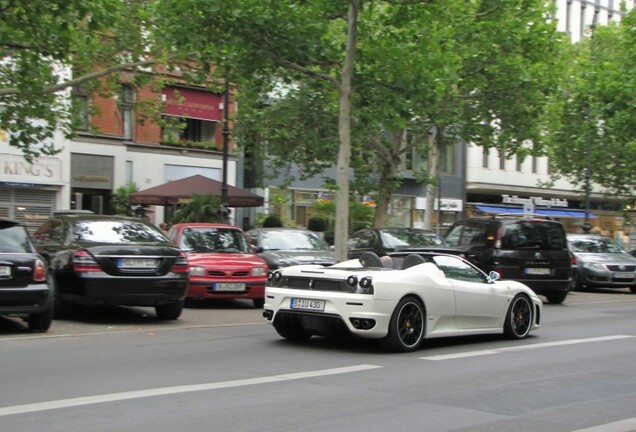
x=623 y=275
x=228 y=286
x=307 y=304
x=145 y=263
x=537 y=271
x=5 y=271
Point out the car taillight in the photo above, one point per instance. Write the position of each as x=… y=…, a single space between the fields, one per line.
x=572 y=259
x=83 y=262
x=39 y=271
x=181 y=264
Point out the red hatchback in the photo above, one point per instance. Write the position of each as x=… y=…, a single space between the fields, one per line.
x=222 y=265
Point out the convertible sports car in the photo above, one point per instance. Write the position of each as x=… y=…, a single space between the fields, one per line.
x=401 y=303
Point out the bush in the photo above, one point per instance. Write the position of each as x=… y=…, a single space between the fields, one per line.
x=272 y=221
x=318 y=224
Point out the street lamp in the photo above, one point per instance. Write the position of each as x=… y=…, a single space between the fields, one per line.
x=587 y=226
x=224 y=212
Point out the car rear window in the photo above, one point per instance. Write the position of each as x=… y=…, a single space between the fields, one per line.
x=113 y=231
x=533 y=235
x=13 y=238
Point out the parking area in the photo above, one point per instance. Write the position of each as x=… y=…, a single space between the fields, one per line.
x=210 y=314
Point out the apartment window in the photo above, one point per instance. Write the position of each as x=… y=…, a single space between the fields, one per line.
x=535 y=161
x=447 y=159
x=502 y=160
x=519 y=163
x=188 y=129
x=484 y=157
x=127 y=110
x=82 y=102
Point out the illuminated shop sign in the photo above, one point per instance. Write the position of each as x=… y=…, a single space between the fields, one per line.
x=537 y=201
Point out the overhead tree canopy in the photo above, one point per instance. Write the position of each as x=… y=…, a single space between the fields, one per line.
x=592 y=119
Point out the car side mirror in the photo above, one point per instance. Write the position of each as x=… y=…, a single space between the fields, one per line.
x=493 y=276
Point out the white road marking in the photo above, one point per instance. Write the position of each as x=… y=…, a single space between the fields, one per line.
x=162 y=391
x=524 y=347
x=627 y=425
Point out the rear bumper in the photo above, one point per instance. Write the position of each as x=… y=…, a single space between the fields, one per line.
x=546 y=286
x=32 y=298
x=130 y=291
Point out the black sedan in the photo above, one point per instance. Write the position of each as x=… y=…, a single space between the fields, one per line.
x=113 y=260
x=24 y=287
x=284 y=247
x=383 y=241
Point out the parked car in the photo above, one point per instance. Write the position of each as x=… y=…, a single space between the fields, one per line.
x=284 y=247
x=600 y=262
x=112 y=260
x=222 y=265
x=383 y=241
x=25 y=291
x=532 y=250
x=432 y=295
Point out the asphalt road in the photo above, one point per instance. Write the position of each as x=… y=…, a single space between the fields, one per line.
x=219 y=368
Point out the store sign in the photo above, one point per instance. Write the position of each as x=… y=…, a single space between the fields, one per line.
x=195 y=104
x=44 y=170
x=446 y=204
x=535 y=201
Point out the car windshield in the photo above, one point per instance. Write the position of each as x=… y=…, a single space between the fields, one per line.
x=533 y=235
x=13 y=238
x=292 y=240
x=116 y=231
x=409 y=238
x=594 y=245
x=205 y=239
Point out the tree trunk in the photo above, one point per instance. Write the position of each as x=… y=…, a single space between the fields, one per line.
x=341 y=229
x=433 y=172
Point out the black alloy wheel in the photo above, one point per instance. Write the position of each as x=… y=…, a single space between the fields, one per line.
x=519 y=318
x=407 y=325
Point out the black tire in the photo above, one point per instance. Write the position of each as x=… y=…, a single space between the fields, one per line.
x=40 y=322
x=291 y=328
x=556 y=297
x=633 y=289
x=170 y=311
x=407 y=326
x=519 y=318
x=259 y=303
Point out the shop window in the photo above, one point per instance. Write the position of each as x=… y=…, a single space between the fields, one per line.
x=127 y=110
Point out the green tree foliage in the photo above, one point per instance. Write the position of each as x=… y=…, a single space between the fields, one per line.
x=201 y=208
x=49 y=46
x=121 y=200
x=592 y=119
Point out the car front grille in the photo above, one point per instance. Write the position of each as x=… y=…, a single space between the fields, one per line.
x=219 y=273
x=621 y=268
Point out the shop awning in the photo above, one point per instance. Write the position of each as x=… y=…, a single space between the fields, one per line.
x=194 y=104
x=545 y=212
x=180 y=191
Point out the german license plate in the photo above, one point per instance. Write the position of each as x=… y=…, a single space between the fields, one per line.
x=307 y=304
x=144 y=263
x=5 y=271
x=228 y=286
x=623 y=275
x=537 y=271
